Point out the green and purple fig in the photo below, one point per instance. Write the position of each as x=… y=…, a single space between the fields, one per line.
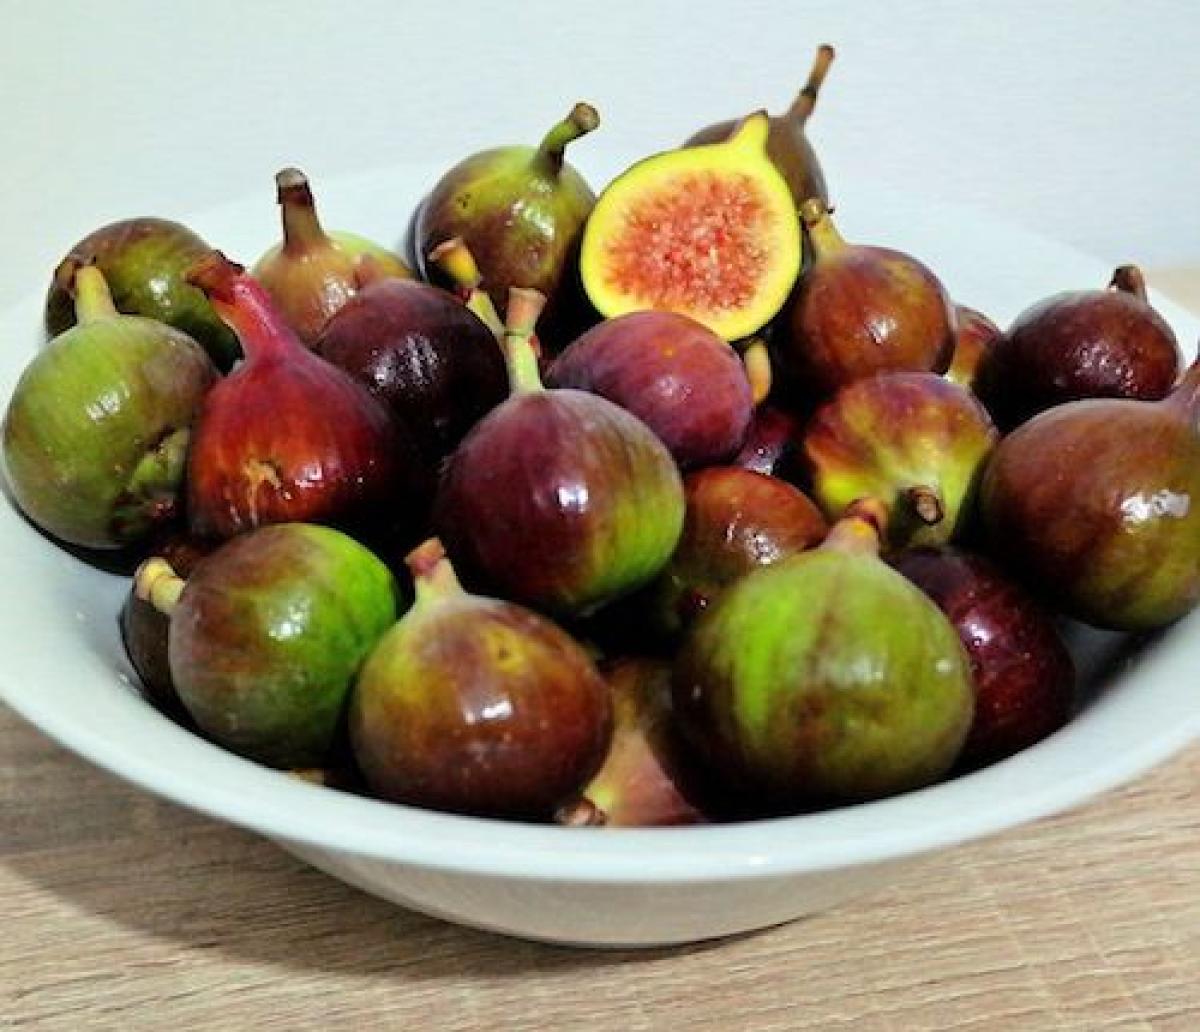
x=267 y=635
x=736 y=521
x=476 y=705
x=915 y=441
x=825 y=678
x=558 y=499
x=974 y=336
x=144 y=261
x=97 y=429
x=1097 y=504
x=521 y=212
x=313 y=273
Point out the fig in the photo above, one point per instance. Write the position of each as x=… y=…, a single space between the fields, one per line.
x=477 y=705
x=709 y=232
x=288 y=437
x=420 y=350
x=1081 y=344
x=915 y=441
x=143 y=261
x=557 y=498
x=267 y=634
x=787 y=144
x=677 y=376
x=860 y=310
x=643 y=781
x=1023 y=674
x=521 y=212
x=1097 y=503
x=773 y=443
x=97 y=429
x=974 y=336
x=735 y=521
x=311 y=274
x=825 y=678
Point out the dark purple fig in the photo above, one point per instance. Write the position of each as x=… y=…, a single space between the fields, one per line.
x=267 y=635
x=736 y=521
x=312 y=273
x=860 y=310
x=644 y=781
x=97 y=429
x=420 y=350
x=787 y=143
x=1097 y=504
x=975 y=335
x=558 y=499
x=824 y=678
x=675 y=375
x=144 y=261
x=287 y=436
x=1023 y=674
x=476 y=705
x=1080 y=344
x=772 y=444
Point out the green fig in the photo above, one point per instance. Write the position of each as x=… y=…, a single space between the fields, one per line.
x=826 y=678
x=144 y=261
x=97 y=429
x=267 y=634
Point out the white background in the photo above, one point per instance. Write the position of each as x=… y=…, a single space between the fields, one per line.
x=1080 y=118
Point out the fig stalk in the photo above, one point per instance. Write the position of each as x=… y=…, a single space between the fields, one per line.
x=93 y=299
x=524 y=307
x=806 y=100
x=157 y=583
x=302 y=229
x=582 y=120
x=1129 y=280
x=455 y=261
x=433 y=577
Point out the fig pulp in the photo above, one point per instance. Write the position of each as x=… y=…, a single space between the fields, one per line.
x=709 y=232
x=643 y=781
x=287 y=436
x=423 y=353
x=824 y=678
x=914 y=440
x=1023 y=674
x=1098 y=503
x=860 y=310
x=143 y=261
x=787 y=144
x=521 y=212
x=974 y=336
x=558 y=499
x=476 y=705
x=97 y=429
x=267 y=635
x=677 y=376
x=735 y=522
x=312 y=273
x=1080 y=344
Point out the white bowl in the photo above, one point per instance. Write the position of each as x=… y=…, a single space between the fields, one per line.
x=65 y=671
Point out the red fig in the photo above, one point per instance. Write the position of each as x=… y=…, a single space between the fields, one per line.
x=975 y=335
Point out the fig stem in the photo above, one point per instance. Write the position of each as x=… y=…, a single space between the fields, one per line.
x=453 y=257
x=302 y=230
x=93 y=299
x=860 y=529
x=243 y=305
x=581 y=121
x=582 y=813
x=1129 y=280
x=802 y=107
x=157 y=583
x=757 y=361
x=822 y=233
x=926 y=504
x=432 y=573
x=524 y=307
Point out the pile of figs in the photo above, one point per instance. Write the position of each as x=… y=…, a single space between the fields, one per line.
x=658 y=506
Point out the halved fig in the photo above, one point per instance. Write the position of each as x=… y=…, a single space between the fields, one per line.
x=709 y=232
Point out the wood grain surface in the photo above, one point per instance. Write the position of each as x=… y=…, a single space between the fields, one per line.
x=119 y=911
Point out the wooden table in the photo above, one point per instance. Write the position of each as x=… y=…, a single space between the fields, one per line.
x=120 y=911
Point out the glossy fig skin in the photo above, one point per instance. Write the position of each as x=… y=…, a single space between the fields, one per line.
x=736 y=521
x=268 y=635
x=1097 y=503
x=560 y=500
x=910 y=439
x=826 y=678
x=773 y=444
x=144 y=261
x=675 y=375
x=1024 y=676
x=1077 y=345
x=975 y=336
